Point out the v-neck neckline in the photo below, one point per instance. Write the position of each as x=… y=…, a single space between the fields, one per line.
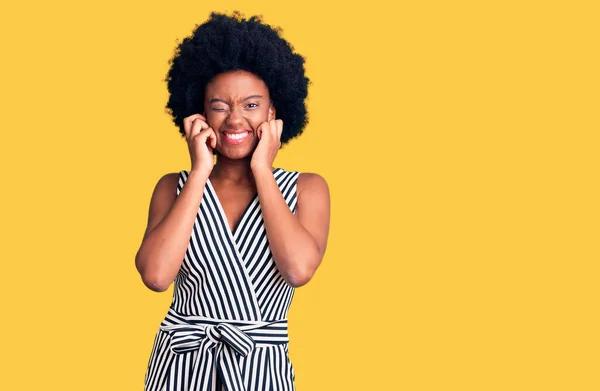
x=254 y=198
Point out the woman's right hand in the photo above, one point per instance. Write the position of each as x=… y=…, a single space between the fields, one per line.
x=201 y=140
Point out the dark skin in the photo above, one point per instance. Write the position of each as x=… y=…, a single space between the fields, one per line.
x=233 y=104
x=240 y=125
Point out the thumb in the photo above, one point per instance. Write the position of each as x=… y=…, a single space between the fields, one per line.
x=259 y=131
x=212 y=138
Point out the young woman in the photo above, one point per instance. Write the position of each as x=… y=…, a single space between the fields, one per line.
x=236 y=236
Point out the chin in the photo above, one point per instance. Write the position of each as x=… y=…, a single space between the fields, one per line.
x=235 y=153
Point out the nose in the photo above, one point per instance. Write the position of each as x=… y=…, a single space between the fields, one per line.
x=235 y=118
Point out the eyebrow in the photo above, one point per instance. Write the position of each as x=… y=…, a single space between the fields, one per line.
x=246 y=98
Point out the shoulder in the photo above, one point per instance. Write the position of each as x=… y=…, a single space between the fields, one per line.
x=163 y=197
x=315 y=184
x=167 y=184
x=169 y=179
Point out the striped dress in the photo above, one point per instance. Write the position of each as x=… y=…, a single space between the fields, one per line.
x=226 y=328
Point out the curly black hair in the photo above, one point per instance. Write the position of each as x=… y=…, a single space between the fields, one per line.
x=225 y=43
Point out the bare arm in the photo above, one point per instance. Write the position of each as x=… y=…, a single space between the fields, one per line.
x=297 y=242
x=171 y=217
x=170 y=223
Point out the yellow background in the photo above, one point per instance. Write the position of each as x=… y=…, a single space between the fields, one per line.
x=460 y=141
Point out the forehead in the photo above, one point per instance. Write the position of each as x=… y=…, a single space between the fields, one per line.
x=236 y=84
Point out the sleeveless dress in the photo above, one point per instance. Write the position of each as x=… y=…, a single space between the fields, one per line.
x=226 y=328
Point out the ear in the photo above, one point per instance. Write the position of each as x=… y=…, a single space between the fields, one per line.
x=271 y=112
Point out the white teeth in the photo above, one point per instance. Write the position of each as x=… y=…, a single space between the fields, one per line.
x=238 y=136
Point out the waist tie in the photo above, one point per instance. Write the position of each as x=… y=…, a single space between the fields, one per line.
x=218 y=342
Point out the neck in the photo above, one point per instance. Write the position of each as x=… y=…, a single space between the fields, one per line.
x=232 y=170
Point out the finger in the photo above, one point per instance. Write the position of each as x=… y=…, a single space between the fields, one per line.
x=187 y=123
x=273 y=129
x=197 y=126
x=211 y=137
x=192 y=117
x=207 y=136
x=260 y=129
x=279 y=128
x=265 y=129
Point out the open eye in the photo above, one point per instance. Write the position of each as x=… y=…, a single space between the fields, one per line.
x=252 y=105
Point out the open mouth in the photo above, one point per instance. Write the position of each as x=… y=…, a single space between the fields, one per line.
x=237 y=137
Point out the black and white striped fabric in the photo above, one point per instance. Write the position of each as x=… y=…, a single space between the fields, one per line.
x=226 y=328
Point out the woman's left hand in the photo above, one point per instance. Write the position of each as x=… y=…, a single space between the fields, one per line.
x=269 y=135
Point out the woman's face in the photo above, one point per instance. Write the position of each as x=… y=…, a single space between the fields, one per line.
x=235 y=104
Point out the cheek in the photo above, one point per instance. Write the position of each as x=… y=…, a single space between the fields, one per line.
x=258 y=118
x=215 y=120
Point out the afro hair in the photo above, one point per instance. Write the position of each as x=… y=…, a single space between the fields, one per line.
x=224 y=43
